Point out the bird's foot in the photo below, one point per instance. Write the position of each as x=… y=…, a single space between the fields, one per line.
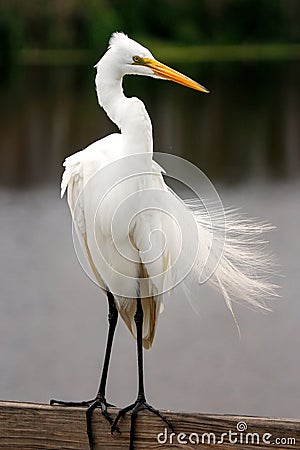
x=98 y=402
x=135 y=408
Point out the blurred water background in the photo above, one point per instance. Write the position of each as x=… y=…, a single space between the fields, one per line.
x=245 y=136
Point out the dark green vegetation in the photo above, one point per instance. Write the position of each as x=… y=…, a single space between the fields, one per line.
x=84 y=27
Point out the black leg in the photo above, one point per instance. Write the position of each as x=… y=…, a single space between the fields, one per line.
x=100 y=400
x=139 y=318
x=140 y=402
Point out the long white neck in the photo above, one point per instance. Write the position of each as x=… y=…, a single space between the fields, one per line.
x=129 y=114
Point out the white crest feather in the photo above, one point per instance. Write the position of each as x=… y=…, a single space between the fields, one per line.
x=117 y=38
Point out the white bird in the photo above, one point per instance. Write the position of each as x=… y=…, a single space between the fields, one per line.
x=117 y=196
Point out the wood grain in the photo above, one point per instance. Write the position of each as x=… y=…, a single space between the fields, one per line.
x=26 y=426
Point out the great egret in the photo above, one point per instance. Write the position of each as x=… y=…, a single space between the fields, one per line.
x=137 y=296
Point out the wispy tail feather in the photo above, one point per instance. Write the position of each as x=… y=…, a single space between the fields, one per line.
x=242 y=271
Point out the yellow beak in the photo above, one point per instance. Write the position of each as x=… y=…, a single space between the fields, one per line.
x=166 y=72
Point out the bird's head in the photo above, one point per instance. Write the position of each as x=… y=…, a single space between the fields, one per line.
x=128 y=57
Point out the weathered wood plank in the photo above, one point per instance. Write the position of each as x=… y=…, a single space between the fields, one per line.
x=25 y=426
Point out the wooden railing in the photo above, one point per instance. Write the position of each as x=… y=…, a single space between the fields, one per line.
x=26 y=426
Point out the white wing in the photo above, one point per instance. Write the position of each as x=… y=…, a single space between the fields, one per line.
x=80 y=169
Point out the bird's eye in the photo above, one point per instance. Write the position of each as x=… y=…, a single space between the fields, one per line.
x=137 y=59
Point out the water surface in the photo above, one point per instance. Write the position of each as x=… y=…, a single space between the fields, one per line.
x=245 y=135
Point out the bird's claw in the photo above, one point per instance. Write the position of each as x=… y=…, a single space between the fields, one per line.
x=85 y=403
x=98 y=402
x=135 y=408
x=54 y=402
